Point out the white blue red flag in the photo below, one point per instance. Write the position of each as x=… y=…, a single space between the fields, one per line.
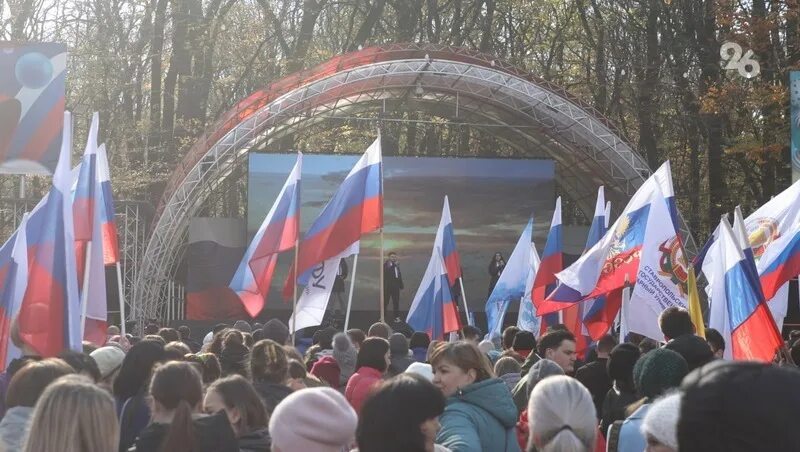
x=615 y=259
x=49 y=317
x=13 y=279
x=105 y=203
x=510 y=286
x=434 y=309
x=88 y=229
x=446 y=241
x=354 y=210
x=278 y=232
x=552 y=262
x=738 y=310
x=773 y=235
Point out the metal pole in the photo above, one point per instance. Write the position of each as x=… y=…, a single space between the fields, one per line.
x=85 y=289
x=350 y=297
x=121 y=300
x=380 y=266
x=464 y=299
x=294 y=301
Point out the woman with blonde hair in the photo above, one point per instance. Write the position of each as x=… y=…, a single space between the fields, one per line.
x=561 y=416
x=480 y=413
x=73 y=415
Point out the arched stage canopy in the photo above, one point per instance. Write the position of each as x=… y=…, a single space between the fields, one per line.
x=533 y=115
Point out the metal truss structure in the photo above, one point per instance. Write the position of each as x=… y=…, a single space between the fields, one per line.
x=533 y=116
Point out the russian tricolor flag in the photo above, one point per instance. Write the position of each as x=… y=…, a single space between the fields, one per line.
x=13 y=279
x=613 y=262
x=105 y=203
x=49 y=318
x=88 y=229
x=772 y=233
x=737 y=306
x=278 y=232
x=433 y=309
x=596 y=232
x=552 y=262
x=354 y=210
x=446 y=240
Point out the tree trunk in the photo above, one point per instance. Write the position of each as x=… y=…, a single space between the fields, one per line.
x=365 y=30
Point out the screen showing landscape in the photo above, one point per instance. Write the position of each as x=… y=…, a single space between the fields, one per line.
x=490 y=203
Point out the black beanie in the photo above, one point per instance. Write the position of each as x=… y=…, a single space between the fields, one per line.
x=524 y=340
x=621 y=361
x=739 y=406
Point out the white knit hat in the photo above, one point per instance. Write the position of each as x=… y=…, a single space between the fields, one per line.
x=422 y=369
x=108 y=359
x=313 y=419
x=661 y=421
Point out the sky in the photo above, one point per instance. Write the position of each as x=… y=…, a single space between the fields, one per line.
x=490 y=203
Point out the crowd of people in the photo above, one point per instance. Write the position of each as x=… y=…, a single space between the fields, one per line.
x=245 y=387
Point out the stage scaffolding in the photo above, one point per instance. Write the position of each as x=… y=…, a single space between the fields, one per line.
x=530 y=114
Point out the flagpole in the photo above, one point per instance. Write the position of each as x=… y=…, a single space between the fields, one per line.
x=464 y=299
x=85 y=289
x=380 y=264
x=350 y=296
x=121 y=300
x=294 y=301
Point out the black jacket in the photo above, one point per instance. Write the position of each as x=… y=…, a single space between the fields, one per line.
x=341 y=275
x=212 y=434
x=390 y=280
x=258 y=441
x=595 y=377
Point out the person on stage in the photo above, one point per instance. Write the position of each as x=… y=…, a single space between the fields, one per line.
x=338 y=287
x=392 y=284
x=496 y=267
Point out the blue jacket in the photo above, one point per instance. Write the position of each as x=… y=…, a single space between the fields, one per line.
x=630 y=434
x=480 y=417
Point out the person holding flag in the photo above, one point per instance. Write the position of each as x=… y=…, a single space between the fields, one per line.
x=278 y=232
x=511 y=285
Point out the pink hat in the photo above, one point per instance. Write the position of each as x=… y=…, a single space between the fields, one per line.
x=327 y=370
x=313 y=420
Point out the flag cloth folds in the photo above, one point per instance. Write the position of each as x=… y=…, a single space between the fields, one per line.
x=552 y=262
x=354 y=210
x=88 y=222
x=314 y=300
x=661 y=277
x=738 y=309
x=510 y=286
x=49 y=318
x=13 y=279
x=434 y=310
x=446 y=240
x=105 y=202
x=615 y=258
x=772 y=233
x=695 y=312
x=527 y=319
x=278 y=232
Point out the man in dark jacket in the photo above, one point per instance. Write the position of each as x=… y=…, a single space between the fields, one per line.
x=392 y=283
x=595 y=376
x=678 y=330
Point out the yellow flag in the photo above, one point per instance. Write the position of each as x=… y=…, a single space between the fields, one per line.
x=694 y=305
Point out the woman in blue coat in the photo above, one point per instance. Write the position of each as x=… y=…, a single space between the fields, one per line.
x=479 y=414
